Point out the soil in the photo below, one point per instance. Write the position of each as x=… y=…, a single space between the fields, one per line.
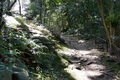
x=86 y=60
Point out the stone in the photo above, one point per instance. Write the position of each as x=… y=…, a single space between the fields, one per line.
x=101 y=76
x=78 y=61
x=90 y=63
x=5 y=74
x=77 y=66
x=19 y=74
x=112 y=70
x=84 y=60
x=74 y=66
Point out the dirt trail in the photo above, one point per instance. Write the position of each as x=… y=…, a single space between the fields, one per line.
x=87 y=63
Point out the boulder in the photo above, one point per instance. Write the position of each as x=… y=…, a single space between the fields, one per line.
x=19 y=73
x=5 y=74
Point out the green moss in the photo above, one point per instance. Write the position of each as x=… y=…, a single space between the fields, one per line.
x=64 y=62
x=115 y=66
x=76 y=38
x=112 y=64
x=119 y=74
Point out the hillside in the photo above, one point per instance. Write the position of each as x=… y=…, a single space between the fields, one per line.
x=32 y=52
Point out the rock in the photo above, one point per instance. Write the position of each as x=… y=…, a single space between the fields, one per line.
x=101 y=76
x=90 y=63
x=78 y=61
x=19 y=74
x=10 y=20
x=74 y=66
x=77 y=66
x=5 y=74
x=84 y=60
x=112 y=70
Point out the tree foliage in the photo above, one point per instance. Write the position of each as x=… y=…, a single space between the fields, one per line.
x=79 y=16
x=111 y=24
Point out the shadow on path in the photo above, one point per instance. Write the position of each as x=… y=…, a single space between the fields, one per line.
x=90 y=60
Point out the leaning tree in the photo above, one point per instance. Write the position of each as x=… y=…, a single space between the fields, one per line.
x=5 y=7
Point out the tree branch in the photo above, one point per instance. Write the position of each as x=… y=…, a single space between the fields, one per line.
x=10 y=6
x=19 y=7
x=8 y=3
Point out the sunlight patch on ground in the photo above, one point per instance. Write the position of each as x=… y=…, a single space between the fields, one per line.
x=93 y=73
x=65 y=52
x=96 y=66
x=36 y=31
x=11 y=21
x=81 y=41
x=41 y=27
x=77 y=74
x=83 y=74
x=84 y=52
x=95 y=51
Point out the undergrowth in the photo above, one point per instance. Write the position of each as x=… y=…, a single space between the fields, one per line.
x=20 y=51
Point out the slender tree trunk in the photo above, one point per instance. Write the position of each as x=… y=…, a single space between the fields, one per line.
x=106 y=27
x=40 y=18
x=1 y=14
x=9 y=7
x=19 y=7
x=45 y=7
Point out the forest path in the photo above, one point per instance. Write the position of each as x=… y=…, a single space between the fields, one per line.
x=87 y=62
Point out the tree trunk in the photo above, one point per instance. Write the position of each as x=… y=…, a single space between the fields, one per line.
x=1 y=15
x=109 y=32
x=9 y=7
x=19 y=7
x=45 y=8
x=40 y=18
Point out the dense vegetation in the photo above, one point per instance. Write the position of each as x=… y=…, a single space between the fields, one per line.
x=19 y=45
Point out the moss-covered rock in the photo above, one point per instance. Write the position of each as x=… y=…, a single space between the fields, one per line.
x=5 y=74
x=19 y=74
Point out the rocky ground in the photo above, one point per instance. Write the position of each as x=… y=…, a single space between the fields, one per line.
x=87 y=62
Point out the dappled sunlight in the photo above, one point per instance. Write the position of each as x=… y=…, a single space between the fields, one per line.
x=95 y=51
x=95 y=67
x=53 y=43
x=11 y=21
x=36 y=31
x=24 y=5
x=77 y=74
x=93 y=73
x=81 y=41
x=84 y=74
x=84 y=51
x=65 y=51
x=86 y=60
